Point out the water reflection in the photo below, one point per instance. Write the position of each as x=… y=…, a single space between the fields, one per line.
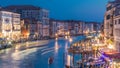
x=26 y=56
x=17 y=47
x=66 y=46
x=19 y=55
x=27 y=44
x=70 y=40
x=56 y=46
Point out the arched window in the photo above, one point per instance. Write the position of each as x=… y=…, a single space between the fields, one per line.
x=108 y=17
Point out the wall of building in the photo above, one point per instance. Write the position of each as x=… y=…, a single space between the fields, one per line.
x=31 y=13
x=112 y=23
x=10 y=25
x=44 y=18
x=117 y=32
x=16 y=27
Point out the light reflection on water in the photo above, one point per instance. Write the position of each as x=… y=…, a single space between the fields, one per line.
x=66 y=47
x=56 y=46
x=21 y=54
x=35 y=57
x=17 y=47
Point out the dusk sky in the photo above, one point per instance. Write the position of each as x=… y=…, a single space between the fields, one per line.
x=86 y=10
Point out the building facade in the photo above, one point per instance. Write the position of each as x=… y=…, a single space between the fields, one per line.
x=35 y=15
x=111 y=23
x=16 y=28
x=10 y=25
x=39 y=29
x=117 y=32
x=117 y=28
x=62 y=26
x=44 y=18
x=108 y=19
x=26 y=11
x=52 y=29
x=58 y=27
x=80 y=27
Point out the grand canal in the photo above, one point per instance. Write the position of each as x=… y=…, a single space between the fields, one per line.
x=37 y=57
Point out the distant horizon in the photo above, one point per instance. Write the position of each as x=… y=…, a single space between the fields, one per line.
x=84 y=10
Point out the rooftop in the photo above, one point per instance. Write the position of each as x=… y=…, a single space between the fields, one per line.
x=25 y=7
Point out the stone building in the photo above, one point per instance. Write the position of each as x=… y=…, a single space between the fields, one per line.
x=10 y=25
x=35 y=15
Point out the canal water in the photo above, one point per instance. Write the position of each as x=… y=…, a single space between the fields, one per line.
x=37 y=57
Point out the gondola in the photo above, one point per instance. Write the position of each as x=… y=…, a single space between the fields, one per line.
x=50 y=60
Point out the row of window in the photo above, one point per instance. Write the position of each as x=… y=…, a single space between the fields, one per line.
x=44 y=14
x=6 y=15
x=117 y=22
x=10 y=15
x=16 y=16
x=16 y=27
x=8 y=20
x=32 y=11
x=7 y=27
x=16 y=22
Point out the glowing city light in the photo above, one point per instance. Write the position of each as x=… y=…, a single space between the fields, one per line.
x=70 y=39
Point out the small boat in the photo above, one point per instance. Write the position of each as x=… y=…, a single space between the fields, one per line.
x=50 y=60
